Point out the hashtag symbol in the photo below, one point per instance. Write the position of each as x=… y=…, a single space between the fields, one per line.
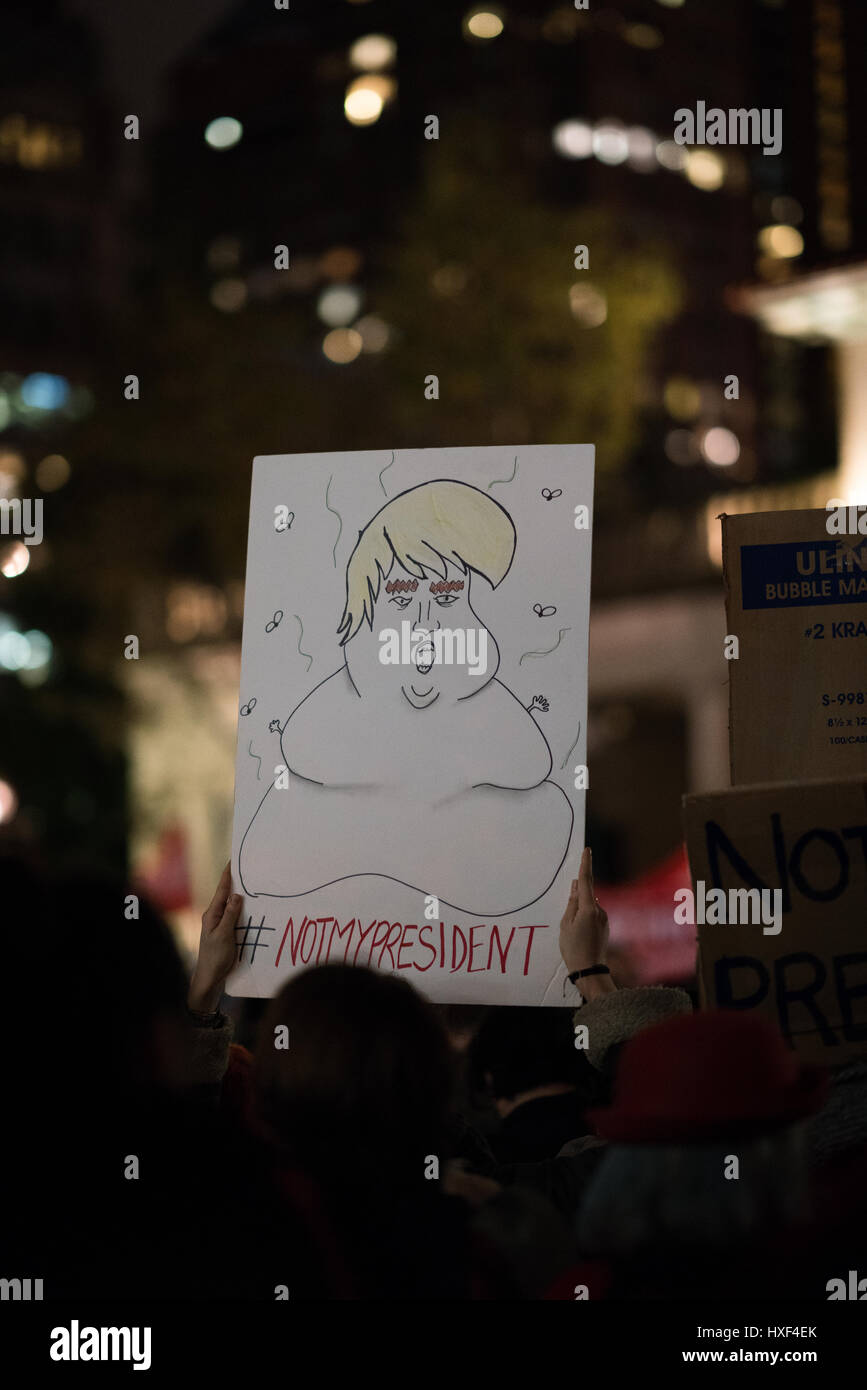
x=248 y=927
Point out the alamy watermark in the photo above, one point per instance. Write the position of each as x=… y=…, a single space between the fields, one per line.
x=740 y=906
x=21 y=517
x=21 y=1290
x=425 y=647
x=76 y=1343
x=736 y=126
x=845 y=520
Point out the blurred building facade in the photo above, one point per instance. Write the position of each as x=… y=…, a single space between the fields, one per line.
x=63 y=288
x=308 y=131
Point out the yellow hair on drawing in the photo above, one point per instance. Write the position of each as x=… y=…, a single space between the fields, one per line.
x=425 y=528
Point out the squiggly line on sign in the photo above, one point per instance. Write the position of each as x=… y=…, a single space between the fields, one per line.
x=550 y=649
x=384 y=470
x=339 y=518
x=258 y=760
x=571 y=750
x=300 y=635
x=498 y=481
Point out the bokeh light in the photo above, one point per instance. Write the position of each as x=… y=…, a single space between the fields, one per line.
x=450 y=280
x=573 y=139
x=588 y=305
x=44 y=391
x=720 y=447
x=610 y=143
x=340 y=263
x=342 y=345
x=681 y=448
x=375 y=333
x=229 y=295
x=484 y=24
x=14 y=560
x=366 y=97
x=642 y=149
x=643 y=35
x=41 y=650
x=671 y=155
x=52 y=472
x=8 y=803
x=781 y=241
x=373 y=51
x=12 y=471
x=339 y=305
x=704 y=169
x=223 y=132
x=14 y=650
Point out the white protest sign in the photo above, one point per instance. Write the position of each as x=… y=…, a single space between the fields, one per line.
x=409 y=789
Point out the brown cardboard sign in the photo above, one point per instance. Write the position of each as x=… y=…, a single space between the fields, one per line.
x=804 y=966
x=796 y=599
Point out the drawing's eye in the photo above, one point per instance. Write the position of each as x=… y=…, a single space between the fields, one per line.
x=445 y=600
x=402 y=600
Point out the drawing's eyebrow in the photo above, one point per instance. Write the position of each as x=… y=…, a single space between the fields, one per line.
x=445 y=586
x=400 y=586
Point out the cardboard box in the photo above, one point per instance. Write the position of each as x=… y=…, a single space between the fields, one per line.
x=796 y=598
x=808 y=843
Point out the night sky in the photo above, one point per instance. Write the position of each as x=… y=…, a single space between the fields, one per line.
x=141 y=40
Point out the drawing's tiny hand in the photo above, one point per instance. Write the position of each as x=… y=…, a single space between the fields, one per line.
x=216 y=947
x=584 y=931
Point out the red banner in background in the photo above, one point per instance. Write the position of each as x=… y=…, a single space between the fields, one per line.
x=165 y=878
x=647 y=945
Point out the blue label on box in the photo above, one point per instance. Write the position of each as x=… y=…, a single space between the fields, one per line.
x=804 y=574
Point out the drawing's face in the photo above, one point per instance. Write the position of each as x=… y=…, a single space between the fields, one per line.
x=445 y=653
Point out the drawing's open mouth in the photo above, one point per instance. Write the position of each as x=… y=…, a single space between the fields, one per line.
x=424 y=658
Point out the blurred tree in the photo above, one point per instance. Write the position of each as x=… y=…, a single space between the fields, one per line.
x=478 y=286
x=483 y=287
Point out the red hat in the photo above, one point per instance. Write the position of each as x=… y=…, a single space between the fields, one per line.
x=705 y=1076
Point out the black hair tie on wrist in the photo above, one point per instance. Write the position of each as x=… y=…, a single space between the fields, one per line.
x=577 y=975
x=591 y=970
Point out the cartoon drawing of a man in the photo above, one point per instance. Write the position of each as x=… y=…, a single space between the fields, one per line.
x=426 y=769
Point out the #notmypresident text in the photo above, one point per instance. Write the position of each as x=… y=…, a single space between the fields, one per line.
x=76 y=1343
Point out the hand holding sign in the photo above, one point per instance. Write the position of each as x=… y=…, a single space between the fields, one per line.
x=216 y=947
x=584 y=931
